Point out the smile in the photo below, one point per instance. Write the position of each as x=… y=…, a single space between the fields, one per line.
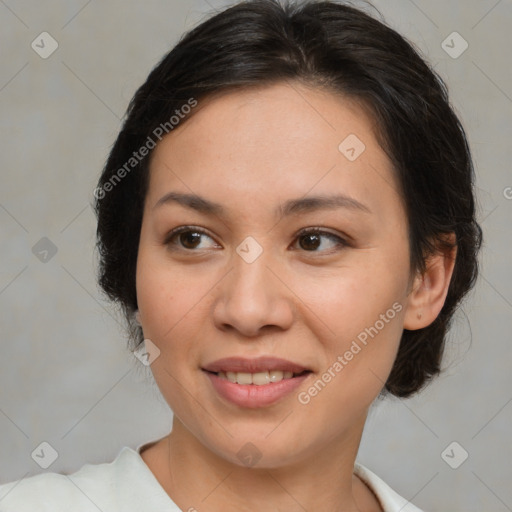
x=239 y=388
x=258 y=379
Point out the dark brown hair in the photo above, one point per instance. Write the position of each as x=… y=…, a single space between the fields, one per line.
x=338 y=48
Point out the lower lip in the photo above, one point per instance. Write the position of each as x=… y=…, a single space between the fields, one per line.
x=253 y=396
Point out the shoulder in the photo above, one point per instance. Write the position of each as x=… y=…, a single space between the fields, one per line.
x=123 y=485
x=389 y=499
x=88 y=489
x=41 y=492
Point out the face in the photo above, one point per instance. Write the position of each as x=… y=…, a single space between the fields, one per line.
x=243 y=279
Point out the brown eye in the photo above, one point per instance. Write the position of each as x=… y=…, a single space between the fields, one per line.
x=186 y=238
x=190 y=239
x=311 y=239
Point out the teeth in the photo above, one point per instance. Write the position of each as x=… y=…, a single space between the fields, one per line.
x=259 y=379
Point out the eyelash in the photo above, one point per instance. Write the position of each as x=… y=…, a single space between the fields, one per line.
x=341 y=243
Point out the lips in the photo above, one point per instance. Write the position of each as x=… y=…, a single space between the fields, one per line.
x=256 y=365
x=254 y=395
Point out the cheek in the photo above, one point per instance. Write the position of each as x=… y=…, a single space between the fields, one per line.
x=350 y=299
x=358 y=361
x=357 y=315
x=166 y=302
x=172 y=304
x=161 y=294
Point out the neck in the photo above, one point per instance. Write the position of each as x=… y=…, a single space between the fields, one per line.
x=196 y=478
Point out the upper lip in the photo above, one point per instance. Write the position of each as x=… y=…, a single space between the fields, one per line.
x=256 y=365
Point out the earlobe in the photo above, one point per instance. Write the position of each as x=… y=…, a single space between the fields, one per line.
x=429 y=290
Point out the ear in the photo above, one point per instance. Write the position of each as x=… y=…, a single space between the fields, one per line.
x=429 y=290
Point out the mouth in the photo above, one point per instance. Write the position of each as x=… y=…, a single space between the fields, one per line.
x=255 y=390
x=255 y=382
x=259 y=378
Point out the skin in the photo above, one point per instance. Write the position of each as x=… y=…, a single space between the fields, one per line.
x=250 y=151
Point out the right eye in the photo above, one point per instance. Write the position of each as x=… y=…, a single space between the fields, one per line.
x=185 y=238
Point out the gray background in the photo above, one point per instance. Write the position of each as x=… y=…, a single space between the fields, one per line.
x=65 y=375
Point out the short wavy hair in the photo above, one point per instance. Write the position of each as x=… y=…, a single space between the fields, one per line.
x=340 y=49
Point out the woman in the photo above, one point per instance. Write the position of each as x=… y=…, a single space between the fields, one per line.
x=287 y=220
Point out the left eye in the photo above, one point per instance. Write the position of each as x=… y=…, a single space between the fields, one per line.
x=314 y=237
x=189 y=239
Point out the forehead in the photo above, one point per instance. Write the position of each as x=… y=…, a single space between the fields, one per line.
x=273 y=142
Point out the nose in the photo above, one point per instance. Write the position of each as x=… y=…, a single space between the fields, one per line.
x=253 y=297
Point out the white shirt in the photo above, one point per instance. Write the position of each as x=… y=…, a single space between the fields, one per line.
x=128 y=485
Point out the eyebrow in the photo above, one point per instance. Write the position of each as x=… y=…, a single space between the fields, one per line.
x=290 y=207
